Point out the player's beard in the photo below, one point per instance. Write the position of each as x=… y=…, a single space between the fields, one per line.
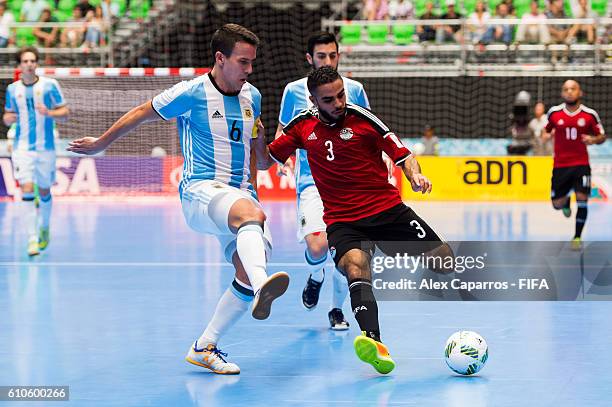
x=328 y=118
x=572 y=103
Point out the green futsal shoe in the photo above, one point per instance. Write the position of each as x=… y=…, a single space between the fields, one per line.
x=43 y=238
x=374 y=353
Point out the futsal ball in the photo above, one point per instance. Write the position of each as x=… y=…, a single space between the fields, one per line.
x=418 y=148
x=466 y=352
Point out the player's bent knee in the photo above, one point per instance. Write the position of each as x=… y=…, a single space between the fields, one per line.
x=443 y=252
x=355 y=264
x=317 y=248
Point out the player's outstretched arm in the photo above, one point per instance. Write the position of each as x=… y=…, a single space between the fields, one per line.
x=412 y=171
x=129 y=121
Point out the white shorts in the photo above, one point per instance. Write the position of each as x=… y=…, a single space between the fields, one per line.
x=206 y=206
x=310 y=213
x=34 y=166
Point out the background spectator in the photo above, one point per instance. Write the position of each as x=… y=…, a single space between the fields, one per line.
x=427 y=32
x=85 y=7
x=73 y=36
x=499 y=32
x=46 y=36
x=96 y=28
x=510 y=5
x=110 y=11
x=537 y=124
x=430 y=141
x=558 y=32
x=532 y=29
x=6 y=19
x=477 y=22
x=376 y=9
x=401 y=9
x=449 y=32
x=32 y=9
x=579 y=30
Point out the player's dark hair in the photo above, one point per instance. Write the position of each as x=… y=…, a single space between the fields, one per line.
x=321 y=37
x=226 y=37
x=24 y=50
x=321 y=76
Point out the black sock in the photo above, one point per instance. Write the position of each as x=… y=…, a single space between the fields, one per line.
x=365 y=308
x=581 y=215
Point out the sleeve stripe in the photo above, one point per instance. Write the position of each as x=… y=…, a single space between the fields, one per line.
x=366 y=114
x=303 y=115
x=401 y=160
x=158 y=113
x=592 y=113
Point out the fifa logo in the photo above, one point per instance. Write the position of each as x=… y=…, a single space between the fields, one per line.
x=359 y=308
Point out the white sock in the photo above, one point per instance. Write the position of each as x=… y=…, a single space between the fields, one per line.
x=315 y=267
x=233 y=304
x=45 y=211
x=340 y=290
x=30 y=216
x=251 y=249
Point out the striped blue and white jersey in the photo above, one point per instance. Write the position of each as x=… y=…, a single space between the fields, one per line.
x=34 y=131
x=296 y=98
x=215 y=129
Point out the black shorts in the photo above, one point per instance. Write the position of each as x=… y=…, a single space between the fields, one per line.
x=389 y=230
x=565 y=179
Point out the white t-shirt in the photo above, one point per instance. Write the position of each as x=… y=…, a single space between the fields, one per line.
x=6 y=19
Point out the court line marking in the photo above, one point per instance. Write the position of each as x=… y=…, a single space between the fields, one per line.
x=131 y=264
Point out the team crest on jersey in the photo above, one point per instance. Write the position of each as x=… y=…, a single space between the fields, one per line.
x=581 y=122
x=560 y=123
x=346 y=133
x=248 y=113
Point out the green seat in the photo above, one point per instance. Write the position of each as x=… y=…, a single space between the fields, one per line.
x=470 y=5
x=15 y=7
x=350 y=34
x=403 y=34
x=599 y=6
x=25 y=37
x=139 y=9
x=66 y=6
x=377 y=33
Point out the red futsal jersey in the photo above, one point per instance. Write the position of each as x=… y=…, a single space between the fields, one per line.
x=569 y=128
x=346 y=161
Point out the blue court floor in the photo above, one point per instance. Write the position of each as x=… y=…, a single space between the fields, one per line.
x=111 y=308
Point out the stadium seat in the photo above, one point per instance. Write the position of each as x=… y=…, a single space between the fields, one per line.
x=15 y=7
x=122 y=6
x=25 y=37
x=139 y=9
x=403 y=33
x=377 y=33
x=350 y=34
x=65 y=7
x=419 y=7
x=470 y=5
x=599 y=6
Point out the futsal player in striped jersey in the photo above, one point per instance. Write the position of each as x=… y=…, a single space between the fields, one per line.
x=32 y=105
x=322 y=51
x=217 y=114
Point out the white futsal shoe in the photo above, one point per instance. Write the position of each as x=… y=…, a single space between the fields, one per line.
x=274 y=287
x=211 y=358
